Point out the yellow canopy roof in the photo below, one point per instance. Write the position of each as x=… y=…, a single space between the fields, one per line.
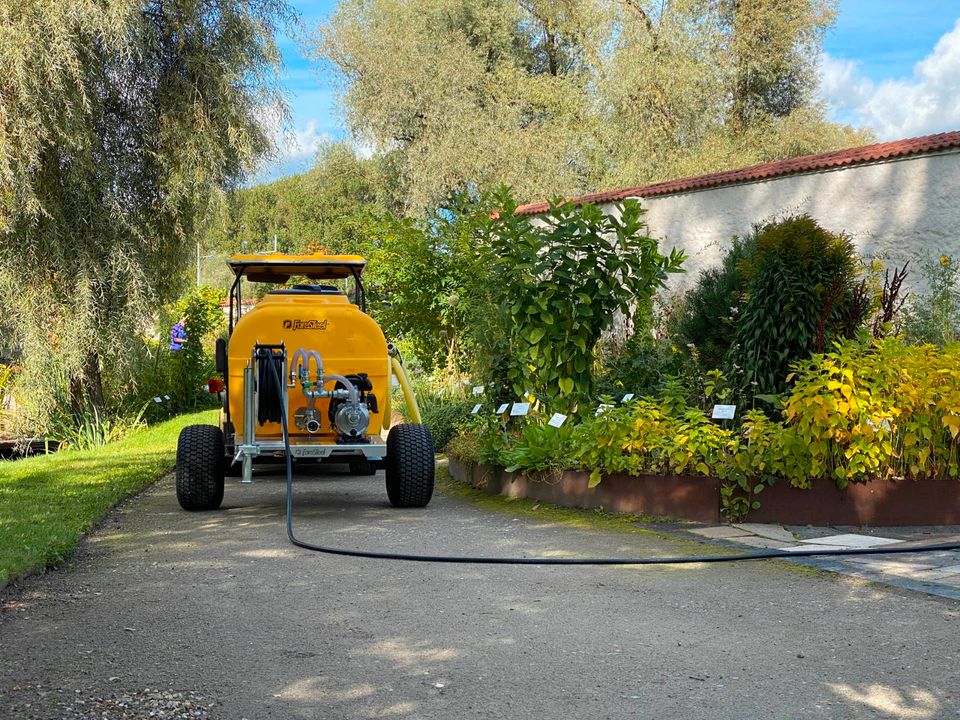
x=278 y=267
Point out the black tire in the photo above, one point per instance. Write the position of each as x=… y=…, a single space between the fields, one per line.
x=362 y=467
x=410 y=466
x=200 y=467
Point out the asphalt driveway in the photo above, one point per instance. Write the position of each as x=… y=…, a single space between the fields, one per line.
x=220 y=609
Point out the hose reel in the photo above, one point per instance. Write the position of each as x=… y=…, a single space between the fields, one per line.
x=269 y=363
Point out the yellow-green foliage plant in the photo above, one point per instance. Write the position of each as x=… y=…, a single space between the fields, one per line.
x=884 y=410
x=888 y=410
x=642 y=437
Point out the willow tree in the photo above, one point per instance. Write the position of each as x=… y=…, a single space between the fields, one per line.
x=563 y=96
x=121 y=121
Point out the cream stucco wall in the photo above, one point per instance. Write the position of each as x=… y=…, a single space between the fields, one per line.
x=891 y=209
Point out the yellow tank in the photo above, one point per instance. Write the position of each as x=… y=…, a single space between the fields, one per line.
x=337 y=413
x=348 y=340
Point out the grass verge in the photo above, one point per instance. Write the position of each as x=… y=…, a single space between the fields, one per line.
x=48 y=502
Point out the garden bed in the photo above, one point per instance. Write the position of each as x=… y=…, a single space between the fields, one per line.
x=697 y=498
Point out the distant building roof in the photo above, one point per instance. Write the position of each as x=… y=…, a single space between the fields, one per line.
x=766 y=171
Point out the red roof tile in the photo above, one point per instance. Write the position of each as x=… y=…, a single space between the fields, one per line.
x=766 y=171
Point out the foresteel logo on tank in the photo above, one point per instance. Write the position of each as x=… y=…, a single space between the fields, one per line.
x=305 y=324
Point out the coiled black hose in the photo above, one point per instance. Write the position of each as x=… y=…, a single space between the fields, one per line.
x=270 y=390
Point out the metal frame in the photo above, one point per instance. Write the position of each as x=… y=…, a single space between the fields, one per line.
x=323 y=451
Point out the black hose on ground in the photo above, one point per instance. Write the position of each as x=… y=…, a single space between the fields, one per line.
x=678 y=560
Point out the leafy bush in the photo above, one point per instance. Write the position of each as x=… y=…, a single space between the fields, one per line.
x=442 y=409
x=419 y=278
x=783 y=292
x=443 y=416
x=559 y=278
x=706 y=313
x=540 y=447
x=92 y=430
x=480 y=438
x=643 y=362
x=191 y=367
x=886 y=410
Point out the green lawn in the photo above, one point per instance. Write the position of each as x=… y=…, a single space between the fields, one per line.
x=48 y=502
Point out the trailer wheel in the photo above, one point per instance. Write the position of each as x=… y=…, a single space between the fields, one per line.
x=200 y=467
x=410 y=466
x=362 y=467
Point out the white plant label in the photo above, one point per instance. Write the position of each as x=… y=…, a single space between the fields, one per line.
x=478 y=389
x=724 y=412
x=158 y=400
x=628 y=397
x=557 y=420
x=503 y=408
x=476 y=409
x=519 y=409
x=602 y=409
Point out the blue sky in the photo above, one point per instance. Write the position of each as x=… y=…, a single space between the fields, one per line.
x=892 y=65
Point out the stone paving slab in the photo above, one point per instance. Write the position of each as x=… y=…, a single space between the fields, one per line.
x=936 y=572
x=806 y=548
x=722 y=532
x=921 y=562
x=762 y=542
x=766 y=530
x=852 y=540
x=917 y=570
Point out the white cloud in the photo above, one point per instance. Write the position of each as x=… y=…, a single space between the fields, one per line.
x=305 y=141
x=296 y=147
x=927 y=102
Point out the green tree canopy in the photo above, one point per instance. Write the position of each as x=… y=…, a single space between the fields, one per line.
x=120 y=123
x=564 y=96
x=332 y=205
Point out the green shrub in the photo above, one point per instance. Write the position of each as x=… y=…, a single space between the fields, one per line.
x=560 y=278
x=190 y=368
x=888 y=410
x=481 y=439
x=442 y=409
x=443 y=416
x=783 y=292
x=643 y=362
x=800 y=293
x=705 y=314
x=540 y=447
x=934 y=316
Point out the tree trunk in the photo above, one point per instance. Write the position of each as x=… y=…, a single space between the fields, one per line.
x=86 y=388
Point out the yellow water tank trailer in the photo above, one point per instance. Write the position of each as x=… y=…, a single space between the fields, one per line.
x=306 y=353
